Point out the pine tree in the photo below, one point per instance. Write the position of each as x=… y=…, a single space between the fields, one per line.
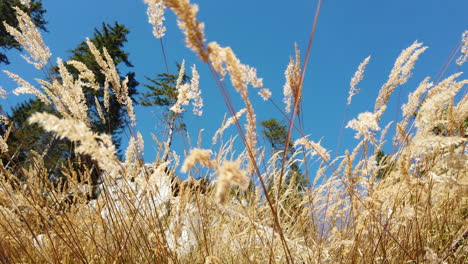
x=26 y=139
x=276 y=134
x=163 y=93
x=7 y=14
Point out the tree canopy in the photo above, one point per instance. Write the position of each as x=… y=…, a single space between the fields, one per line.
x=26 y=139
x=276 y=134
x=113 y=38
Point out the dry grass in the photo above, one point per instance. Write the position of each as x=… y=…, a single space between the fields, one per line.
x=416 y=214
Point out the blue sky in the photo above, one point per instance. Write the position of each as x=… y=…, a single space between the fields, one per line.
x=262 y=34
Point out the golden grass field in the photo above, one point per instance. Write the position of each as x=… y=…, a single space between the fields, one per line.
x=414 y=212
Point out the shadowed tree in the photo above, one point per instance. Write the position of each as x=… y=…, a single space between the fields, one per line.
x=113 y=38
x=28 y=138
x=276 y=134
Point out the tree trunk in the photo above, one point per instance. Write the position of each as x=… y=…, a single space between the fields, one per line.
x=169 y=139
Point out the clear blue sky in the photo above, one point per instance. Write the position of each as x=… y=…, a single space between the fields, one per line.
x=262 y=33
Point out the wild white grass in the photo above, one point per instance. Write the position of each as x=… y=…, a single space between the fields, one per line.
x=224 y=60
x=3 y=93
x=85 y=75
x=188 y=92
x=192 y=28
x=292 y=75
x=460 y=111
x=197 y=100
x=464 y=49
x=99 y=110
x=67 y=94
x=202 y=156
x=127 y=102
x=181 y=74
x=227 y=123
x=183 y=98
x=366 y=124
x=135 y=149
x=357 y=78
x=230 y=174
x=99 y=147
x=399 y=74
x=432 y=110
x=26 y=88
x=3 y=145
x=316 y=148
x=265 y=94
x=155 y=14
x=409 y=109
x=30 y=38
x=111 y=74
x=287 y=90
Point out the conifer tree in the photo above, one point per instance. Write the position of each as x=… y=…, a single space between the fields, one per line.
x=26 y=139
x=276 y=134
x=163 y=93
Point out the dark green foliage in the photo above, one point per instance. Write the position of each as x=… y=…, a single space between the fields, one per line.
x=7 y=14
x=162 y=89
x=276 y=133
x=163 y=93
x=25 y=139
x=384 y=160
